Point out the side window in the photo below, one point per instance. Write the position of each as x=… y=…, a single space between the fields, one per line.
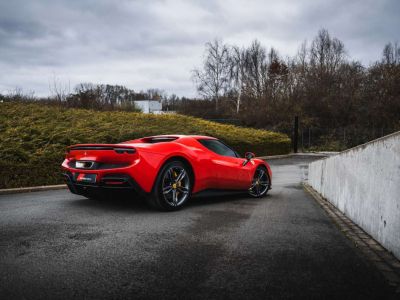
x=218 y=147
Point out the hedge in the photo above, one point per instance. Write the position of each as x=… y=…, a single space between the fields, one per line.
x=33 y=137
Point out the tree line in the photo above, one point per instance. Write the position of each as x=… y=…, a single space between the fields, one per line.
x=255 y=86
x=321 y=84
x=89 y=96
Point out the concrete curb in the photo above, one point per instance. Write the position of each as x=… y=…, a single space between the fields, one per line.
x=386 y=263
x=32 y=189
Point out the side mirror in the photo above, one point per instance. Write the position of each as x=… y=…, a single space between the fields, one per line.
x=248 y=156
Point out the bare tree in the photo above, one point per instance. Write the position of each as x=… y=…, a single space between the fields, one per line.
x=326 y=53
x=106 y=96
x=59 y=90
x=391 y=54
x=277 y=74
x=212 y=80
x=18 y=94
x=237 y=61
x=300 y=65
x=256 y=69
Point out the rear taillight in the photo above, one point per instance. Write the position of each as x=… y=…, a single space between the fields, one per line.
x=124 y=150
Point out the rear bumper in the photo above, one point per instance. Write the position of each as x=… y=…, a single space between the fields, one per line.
x=111 y=182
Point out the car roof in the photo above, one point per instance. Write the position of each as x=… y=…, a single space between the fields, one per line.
x=178 y=136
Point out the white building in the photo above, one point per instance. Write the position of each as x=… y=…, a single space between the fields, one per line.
x=149 y=106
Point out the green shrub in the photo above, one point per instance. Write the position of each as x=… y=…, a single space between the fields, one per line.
x=33 y=137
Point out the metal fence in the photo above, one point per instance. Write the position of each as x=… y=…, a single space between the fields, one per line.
x=326 y=139
x=337 y=139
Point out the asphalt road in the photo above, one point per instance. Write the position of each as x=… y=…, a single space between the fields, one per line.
x=56 y=245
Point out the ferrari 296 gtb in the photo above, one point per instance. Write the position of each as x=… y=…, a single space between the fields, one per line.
x=167 y=169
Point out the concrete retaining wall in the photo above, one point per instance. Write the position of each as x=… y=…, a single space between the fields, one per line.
x=364 y=183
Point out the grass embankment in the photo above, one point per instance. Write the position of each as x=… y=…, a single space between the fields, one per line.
x=33 y=137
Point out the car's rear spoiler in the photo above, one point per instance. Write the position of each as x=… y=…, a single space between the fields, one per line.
x=116 y=147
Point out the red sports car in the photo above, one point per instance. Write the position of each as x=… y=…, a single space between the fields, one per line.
x=167 y=169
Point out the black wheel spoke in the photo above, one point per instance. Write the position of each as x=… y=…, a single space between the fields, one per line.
x=260 y=175
x=181 y=175
x=183 y=189
x=174 y=197
x=167 y=189
x=169 y=175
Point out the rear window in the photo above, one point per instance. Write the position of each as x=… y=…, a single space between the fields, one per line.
x=218 y=147
x=153 y=140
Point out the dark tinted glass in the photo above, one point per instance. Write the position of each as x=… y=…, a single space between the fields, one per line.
x=161 y=139
x=218 y=147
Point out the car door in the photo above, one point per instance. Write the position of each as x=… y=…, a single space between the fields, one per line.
x=228 y=167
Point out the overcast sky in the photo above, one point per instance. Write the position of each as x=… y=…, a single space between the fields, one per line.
x=155 y=44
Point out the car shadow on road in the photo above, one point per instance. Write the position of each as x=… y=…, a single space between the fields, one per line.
x=136 y=203
x=116 y=203
x=214 y=198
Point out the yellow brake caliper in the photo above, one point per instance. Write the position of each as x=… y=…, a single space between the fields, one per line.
x=175 y=185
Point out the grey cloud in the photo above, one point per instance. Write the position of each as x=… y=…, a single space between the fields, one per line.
x=145 y=44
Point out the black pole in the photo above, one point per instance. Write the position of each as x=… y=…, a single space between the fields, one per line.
x=295 y=133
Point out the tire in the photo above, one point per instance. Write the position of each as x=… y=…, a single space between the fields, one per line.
x=260 y=184
x=172 y=188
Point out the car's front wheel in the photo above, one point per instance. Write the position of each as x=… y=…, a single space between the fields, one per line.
x=173 y=186
x=260 y=183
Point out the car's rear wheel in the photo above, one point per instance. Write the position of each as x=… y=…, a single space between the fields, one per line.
x=260 y=183
x=173 y=186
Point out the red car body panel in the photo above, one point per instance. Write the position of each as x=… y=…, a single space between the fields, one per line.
x=143 y=163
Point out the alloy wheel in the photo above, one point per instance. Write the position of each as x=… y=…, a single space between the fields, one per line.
x=260 y=184
x=175 y=185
